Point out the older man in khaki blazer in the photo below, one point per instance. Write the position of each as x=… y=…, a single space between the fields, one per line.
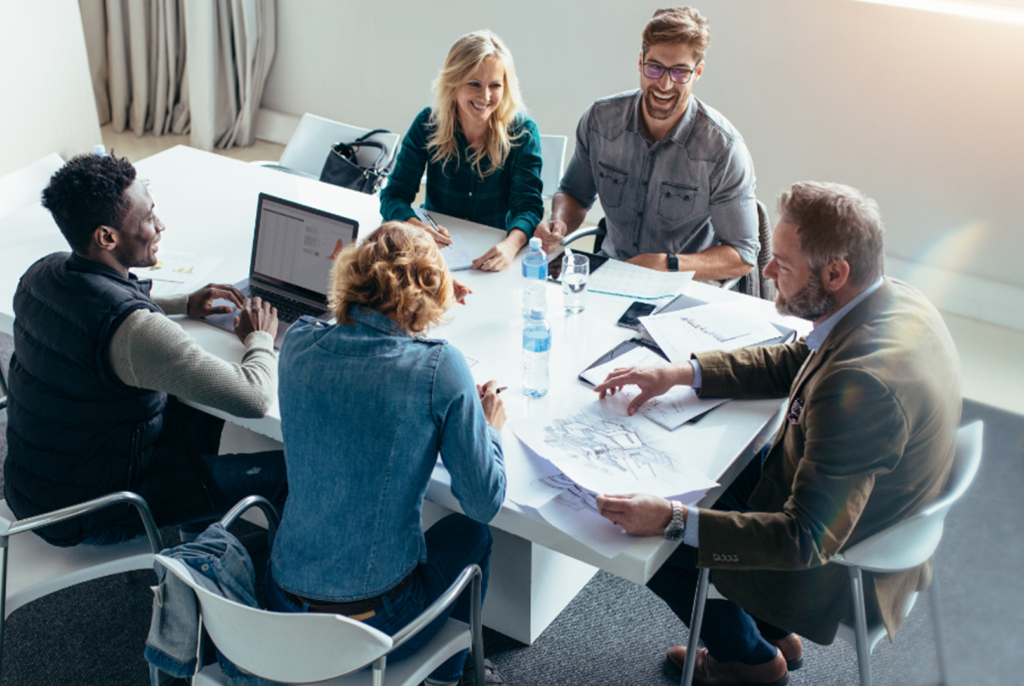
x=868 y=440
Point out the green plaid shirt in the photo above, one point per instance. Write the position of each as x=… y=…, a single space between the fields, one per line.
x=510 y=198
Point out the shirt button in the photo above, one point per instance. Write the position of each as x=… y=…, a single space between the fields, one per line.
x=206 y=568
x=686 y=197
x=640 y=213
x=471 y=194
x=645 y=184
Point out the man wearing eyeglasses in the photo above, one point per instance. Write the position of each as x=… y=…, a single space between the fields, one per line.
x=674 y=177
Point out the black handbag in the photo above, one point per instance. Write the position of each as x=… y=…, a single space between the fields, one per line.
x=342 y=169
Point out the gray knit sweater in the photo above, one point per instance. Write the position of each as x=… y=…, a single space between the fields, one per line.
x=151 y=351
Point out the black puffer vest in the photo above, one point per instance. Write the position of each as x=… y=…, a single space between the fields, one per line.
x=74 y=430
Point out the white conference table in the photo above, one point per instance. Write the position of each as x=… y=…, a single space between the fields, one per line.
x=208 y=204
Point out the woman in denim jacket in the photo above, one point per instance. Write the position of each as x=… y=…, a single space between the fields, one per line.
x=366 y=405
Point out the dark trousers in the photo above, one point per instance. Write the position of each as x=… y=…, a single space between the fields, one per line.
x=185 y=482
x=728 y=631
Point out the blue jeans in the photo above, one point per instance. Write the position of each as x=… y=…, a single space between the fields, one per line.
x=452 y=544
x=728 y=631
x=185 y=482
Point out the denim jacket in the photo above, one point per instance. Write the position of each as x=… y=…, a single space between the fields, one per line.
x=220 y=564
x=365 y=409
x=690 y=191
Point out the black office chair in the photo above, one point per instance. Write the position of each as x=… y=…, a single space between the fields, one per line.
x=754 y=283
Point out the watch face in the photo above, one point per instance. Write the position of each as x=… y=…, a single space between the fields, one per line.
x=674 y=534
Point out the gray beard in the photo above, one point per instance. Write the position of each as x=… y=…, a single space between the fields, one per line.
x=811 y=302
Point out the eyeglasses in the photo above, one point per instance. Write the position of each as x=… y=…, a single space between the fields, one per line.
x=656 y=71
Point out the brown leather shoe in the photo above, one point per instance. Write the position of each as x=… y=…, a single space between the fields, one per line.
x=710 y=672
x=792 y=648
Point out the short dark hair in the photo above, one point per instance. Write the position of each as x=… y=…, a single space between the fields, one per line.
x=678 y=25
x=89 y=192
x=836 y=221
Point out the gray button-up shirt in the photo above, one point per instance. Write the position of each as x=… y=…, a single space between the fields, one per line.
x=691 y=190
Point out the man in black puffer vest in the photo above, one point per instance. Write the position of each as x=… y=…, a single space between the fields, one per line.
x=95 y=359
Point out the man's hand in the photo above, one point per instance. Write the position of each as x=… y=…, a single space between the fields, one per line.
x=651 y=260
x=200 y=303
x=501 y=255
x=638 y=514
x=441 y=236
x=494 y=408
x=255 y=315
x=460 y=292
x=653 y=381
x=551 y=234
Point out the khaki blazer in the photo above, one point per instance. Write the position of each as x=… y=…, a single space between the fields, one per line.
x=867 y=442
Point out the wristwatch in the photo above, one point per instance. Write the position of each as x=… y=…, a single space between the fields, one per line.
x=676 y=526
x=673 y=261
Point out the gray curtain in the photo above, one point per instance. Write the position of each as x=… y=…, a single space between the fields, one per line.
x=181 y=66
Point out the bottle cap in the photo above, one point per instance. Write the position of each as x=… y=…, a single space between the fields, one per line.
x=99 y=149
x=534 y=243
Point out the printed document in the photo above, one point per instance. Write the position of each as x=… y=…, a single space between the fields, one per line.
x=707 y=327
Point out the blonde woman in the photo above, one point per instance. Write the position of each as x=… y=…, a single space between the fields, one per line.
x=480 y=150
x=366 y=406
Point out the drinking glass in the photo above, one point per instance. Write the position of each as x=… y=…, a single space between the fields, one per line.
x=575 y=273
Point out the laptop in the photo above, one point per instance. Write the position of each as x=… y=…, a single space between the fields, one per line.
x=293 y=249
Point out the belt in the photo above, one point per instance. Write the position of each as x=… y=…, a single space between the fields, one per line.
x=357 y=609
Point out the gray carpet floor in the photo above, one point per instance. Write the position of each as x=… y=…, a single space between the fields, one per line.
x=615 y=632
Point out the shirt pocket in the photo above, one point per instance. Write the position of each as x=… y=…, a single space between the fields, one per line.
x=611 y=182
x=676 y=200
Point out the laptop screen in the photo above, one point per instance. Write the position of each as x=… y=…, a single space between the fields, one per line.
x=294 y=246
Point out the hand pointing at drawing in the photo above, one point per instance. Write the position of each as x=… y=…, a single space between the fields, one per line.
x=653 y=381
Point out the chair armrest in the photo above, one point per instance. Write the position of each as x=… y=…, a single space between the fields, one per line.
x=47 y=518
x=470 y=574
x=583 y=233
x=273 y=519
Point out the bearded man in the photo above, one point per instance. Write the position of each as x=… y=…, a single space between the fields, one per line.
x=868 y=440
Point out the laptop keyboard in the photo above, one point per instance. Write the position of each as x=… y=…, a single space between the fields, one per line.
x=288 y=309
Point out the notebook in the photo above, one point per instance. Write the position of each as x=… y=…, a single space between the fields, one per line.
x=293 y=249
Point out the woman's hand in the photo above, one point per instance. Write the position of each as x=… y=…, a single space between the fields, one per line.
x=494 y=408
x=441 y=236
x=501 y=255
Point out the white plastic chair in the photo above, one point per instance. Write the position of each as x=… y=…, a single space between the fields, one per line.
x=552 y=153
x=21 y=188
x=307 y=149
x=902 y=546
x=31 y=568
x=297 y=648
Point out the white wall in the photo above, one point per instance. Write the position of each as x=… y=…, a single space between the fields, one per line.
x=48 y=104
x=923 y=111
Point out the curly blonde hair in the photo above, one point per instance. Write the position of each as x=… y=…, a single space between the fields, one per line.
x=463 y=60
x=398 y=272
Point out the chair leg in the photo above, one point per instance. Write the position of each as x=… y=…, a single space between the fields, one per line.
x=3 y=595
x=860 y=626
x=940 y=633
x=379 y=665
x=476 y=626
x=696 y=617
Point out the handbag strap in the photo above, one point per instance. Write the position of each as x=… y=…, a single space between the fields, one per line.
x=359 y=143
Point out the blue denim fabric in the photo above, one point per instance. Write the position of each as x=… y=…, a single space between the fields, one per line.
x=365 y=408
x=690 y=191
x=220 y=564
x=510 y=198
x=453 y=543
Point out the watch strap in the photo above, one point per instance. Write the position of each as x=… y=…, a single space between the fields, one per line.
x=676 y=525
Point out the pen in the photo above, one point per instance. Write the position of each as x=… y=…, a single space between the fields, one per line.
x=430 y=220
x=499 y=390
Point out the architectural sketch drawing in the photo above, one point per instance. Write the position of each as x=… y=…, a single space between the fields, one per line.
x=609 y=446
x=677 y=407
x=570 y=493
x=604 y=450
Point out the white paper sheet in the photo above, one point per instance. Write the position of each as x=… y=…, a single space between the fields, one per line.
x=457 y=255
x=675 y=408
x=637 y=357
x=573 y=509
x=178 y=272
x=605 y=450
x=707 y=327
x=629 y=280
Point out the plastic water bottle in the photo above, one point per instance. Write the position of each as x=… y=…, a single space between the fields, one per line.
x=535 y=273
x=536 y=352
x=99 y=149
